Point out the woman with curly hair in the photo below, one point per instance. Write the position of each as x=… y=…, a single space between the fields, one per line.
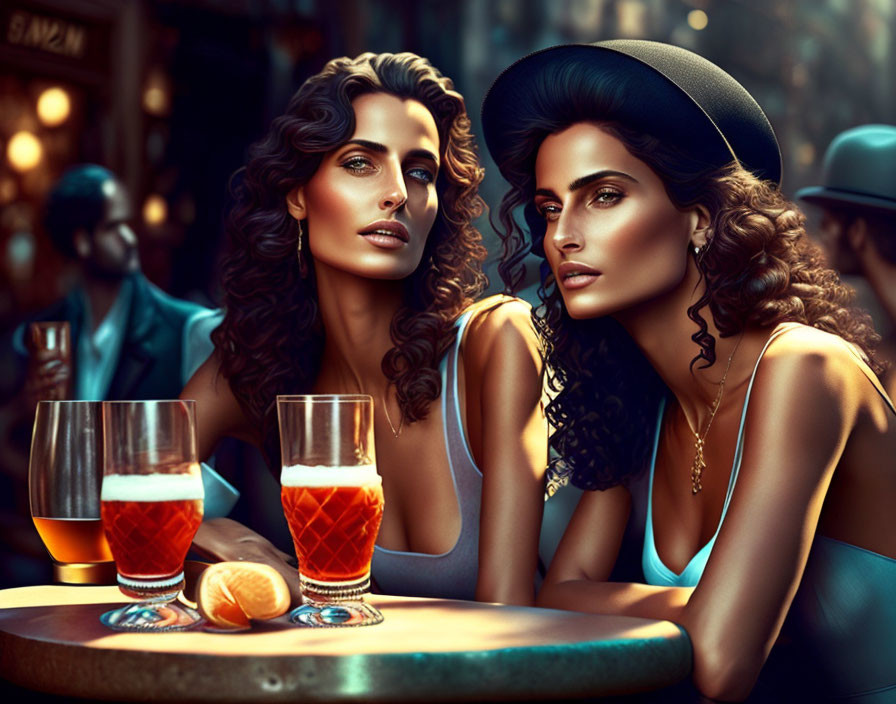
x=352 y=267
x=712 y=383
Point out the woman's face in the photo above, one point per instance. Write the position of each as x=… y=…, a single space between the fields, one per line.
x=370 y=205
x=614 y=239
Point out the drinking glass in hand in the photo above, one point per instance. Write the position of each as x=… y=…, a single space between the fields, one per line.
x=151 y=506
x=48 y=376
x=333 y=501
x=64 y=476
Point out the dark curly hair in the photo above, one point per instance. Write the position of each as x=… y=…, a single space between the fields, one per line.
x=271 y=338
x=759 y=267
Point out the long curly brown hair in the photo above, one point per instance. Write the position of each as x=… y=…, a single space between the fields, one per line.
x=759 y=267
x=271 y=338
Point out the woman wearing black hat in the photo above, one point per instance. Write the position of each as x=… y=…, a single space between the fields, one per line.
x=712 y=382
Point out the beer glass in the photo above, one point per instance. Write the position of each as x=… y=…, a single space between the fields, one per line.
x=333 y=500
x=64 y=476
x=49 y=369
x=151 y=507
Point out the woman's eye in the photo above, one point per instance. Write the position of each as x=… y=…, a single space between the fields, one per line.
x=357 y=164
x=607 y=196
x=418 y=173
x=549 y=211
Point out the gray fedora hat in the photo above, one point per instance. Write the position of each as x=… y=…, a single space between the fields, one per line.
x=859 y=170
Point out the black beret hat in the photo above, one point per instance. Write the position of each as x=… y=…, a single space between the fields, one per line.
x=660 y=89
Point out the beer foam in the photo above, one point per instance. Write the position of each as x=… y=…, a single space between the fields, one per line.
x=152 y=487
x=321 y=475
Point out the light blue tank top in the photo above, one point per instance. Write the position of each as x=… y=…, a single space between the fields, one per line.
x=843 y=617
x=453 y=574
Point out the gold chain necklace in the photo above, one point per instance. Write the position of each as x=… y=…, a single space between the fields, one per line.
x=395 y=433
x=699 y=463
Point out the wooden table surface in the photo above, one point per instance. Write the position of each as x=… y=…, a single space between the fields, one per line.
x=51 y=640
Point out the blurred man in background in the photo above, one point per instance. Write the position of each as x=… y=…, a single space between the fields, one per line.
x=129 y=339
x=858 y=226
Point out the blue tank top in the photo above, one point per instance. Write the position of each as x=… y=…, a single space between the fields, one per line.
x=452 y=574
x=843 y=617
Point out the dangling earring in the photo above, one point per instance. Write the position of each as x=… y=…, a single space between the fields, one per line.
x=303 y=269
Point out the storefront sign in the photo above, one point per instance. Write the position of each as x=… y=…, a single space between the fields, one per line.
x=51 y=35
x=46 y=34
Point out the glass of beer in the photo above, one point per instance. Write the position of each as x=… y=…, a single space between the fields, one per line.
x=333 y=501
x=65 y=472
x=49 y=371
x=151 y=507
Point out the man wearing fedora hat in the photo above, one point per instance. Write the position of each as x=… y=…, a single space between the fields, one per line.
x=858 y=226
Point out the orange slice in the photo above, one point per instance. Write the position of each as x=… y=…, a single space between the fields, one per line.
x=231 y=593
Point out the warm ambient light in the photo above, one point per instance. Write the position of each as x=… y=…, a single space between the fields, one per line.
x=157 y=94
x=155 y=100
x=697 y=19
x=53 y=107
x=24 y=151
x=155 y=210
x=8 y=190
x=805 y=154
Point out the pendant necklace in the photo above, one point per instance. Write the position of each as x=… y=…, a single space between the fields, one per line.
x=395 y=433
x=699 y=463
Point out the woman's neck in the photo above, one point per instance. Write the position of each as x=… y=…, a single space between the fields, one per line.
x=357 y=314
x=662 y=330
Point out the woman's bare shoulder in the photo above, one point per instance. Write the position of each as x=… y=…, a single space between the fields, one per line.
x=819 y=372
x=218 y=409
x=496 y=322
x=820 y=357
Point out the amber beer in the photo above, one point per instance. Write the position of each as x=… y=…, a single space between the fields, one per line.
x=334 y=515
x=150 y=521
x=74 y=540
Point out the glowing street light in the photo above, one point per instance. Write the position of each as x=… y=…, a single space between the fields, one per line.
x=157 y=94
x=53 y=106
x=697 y=19
x=24 y=151
x=155 y=210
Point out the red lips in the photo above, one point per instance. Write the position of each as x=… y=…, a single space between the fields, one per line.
x=387 y=228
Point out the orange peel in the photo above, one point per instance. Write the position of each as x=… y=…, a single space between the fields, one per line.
x=229 y=594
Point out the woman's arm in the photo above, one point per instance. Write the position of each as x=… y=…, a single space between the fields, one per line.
x=806 y=399
x=585 y=558
x=501 y=353
x=218 y=414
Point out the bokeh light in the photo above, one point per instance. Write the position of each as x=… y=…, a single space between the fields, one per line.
x=697 y=19
x=53 y=106
x=24 y=151
x=8 y=190
x=805 y=154
x=157 y=94
x=155 y=210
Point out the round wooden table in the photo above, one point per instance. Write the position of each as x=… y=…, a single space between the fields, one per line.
x=426 y=650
